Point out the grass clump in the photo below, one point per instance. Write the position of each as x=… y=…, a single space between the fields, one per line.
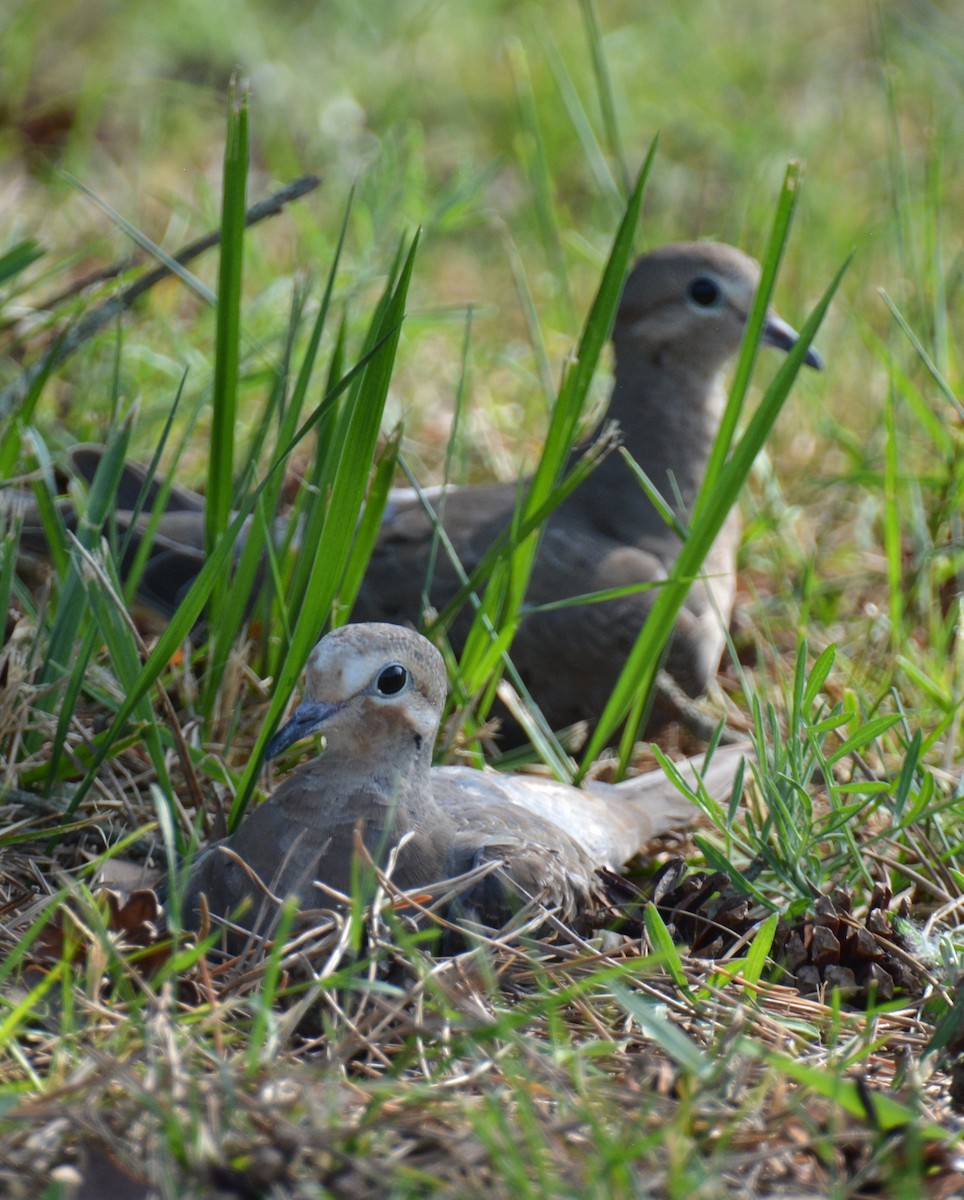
x=358 y=1060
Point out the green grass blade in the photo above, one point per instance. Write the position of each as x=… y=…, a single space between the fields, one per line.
x=595 y=158
x=759 y=949
x=355 y=449
x=219 y=496
x=893 y=541
x=663 y=946
x=18 y=258
x=776 y=246
x=605 y=91
x=70 y=608
x=104 y=595
x=533 y=152
x=178 y=269
x=194 y=601
x=369 y=525
x=680 y=1048
x=635 y=682
x=505 y=593
x=847 y=1094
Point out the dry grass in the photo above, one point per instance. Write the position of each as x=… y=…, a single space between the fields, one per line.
x=357 y=1061
x=360 y=1061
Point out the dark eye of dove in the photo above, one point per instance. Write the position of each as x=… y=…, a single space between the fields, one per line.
x=391 y=680
x=704 y=291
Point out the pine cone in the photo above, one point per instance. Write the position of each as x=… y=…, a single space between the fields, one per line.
x=701 y=909
x=831 y=948
x=825 y=948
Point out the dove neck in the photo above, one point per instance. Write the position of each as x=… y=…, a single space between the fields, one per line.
x=668 y=410
x=396 y=772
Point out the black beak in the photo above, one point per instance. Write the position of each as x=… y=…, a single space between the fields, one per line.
x=776 y=332
x=304 y=721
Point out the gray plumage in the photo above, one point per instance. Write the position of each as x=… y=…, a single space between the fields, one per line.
x=680 y=322
x=376 y=692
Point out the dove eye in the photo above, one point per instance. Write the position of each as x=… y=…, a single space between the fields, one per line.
x=704 y=291
x=391 y=680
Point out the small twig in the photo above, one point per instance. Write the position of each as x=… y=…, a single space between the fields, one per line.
x=101 y=275
x=14 y=394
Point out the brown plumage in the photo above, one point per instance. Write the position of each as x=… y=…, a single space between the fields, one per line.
x=376 y=693
x=680 y=321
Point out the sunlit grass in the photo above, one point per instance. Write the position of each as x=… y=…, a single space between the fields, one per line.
x=508 y=135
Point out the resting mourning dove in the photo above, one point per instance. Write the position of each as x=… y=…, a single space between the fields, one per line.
x=680 y=322
x=176 y=554
x=376 y=693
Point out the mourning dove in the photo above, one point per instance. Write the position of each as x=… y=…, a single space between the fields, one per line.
x=679 y=323
x=176 y=554
x=376 y=693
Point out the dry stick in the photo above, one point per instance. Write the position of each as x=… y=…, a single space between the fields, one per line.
x=14 y=394
x=101 y=275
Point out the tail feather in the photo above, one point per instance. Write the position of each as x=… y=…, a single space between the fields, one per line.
x=612 y=822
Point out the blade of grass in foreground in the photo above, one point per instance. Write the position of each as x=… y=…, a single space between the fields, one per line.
x=267 y=540
x=71 y=609
x=164 y=484
x=218 y=499
x=104 y=596
x=216 y=563
x=219 y=495
x=14 y=262
x=353 y=449
x=481 y=665
x=719 y=493
x=331 y=445
x=750 y=348
x=850 y=1095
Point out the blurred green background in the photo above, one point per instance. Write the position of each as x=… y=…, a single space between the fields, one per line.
x=507 y=131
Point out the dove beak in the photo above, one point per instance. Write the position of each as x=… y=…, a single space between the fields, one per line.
x=776 y=332
x=307 y=719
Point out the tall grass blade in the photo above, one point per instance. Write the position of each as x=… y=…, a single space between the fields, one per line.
x=533 y=153
x=593 y=152
x=714 y=502
x=604 y=88
x=893 y=542
x=498 y=618
x=353 y=449
x=70 y=606
x=215 y=565
x=220 y=482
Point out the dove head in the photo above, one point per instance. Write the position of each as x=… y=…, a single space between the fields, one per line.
x=688 y=303
x=373 y=690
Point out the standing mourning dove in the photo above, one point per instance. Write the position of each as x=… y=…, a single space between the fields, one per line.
x=376 y=693
x=680 y=322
